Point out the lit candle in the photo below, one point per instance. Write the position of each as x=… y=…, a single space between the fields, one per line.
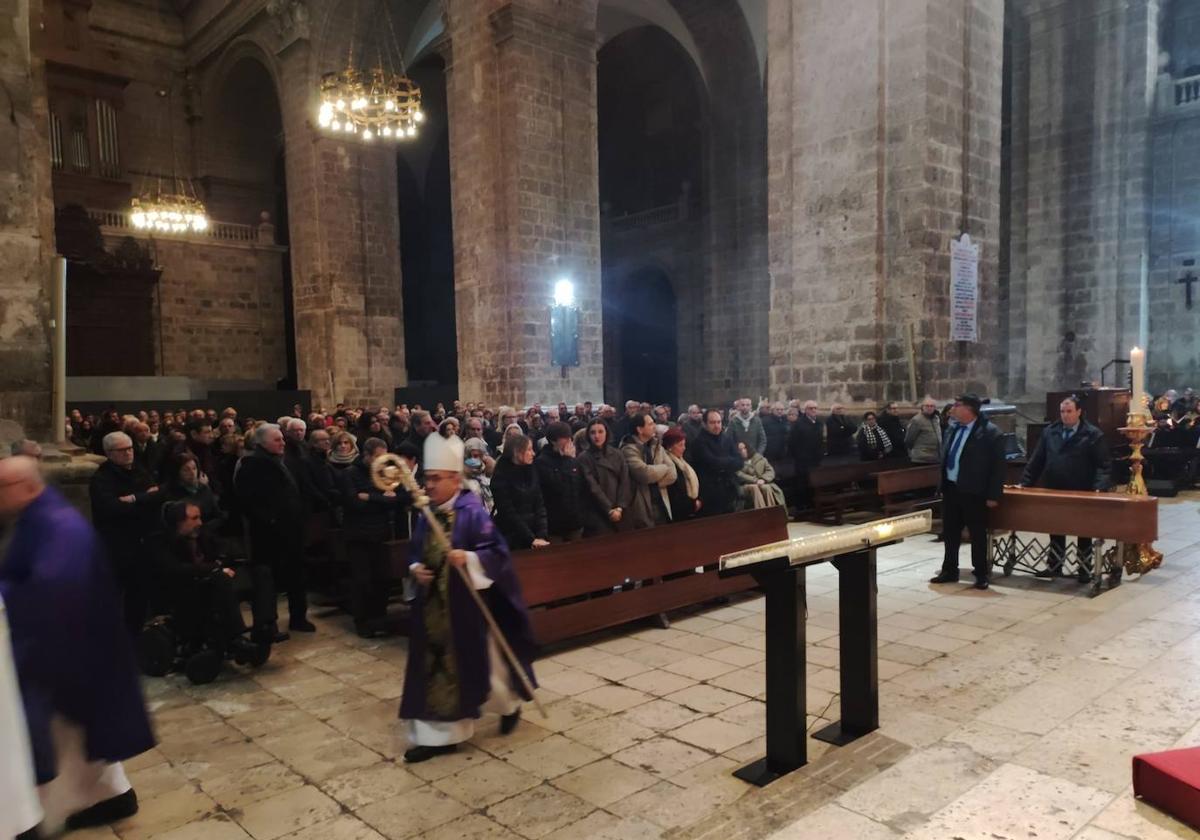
x=1137 y=362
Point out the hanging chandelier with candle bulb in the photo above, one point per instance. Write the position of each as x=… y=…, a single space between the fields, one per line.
x=174 y=208
x=379 y=102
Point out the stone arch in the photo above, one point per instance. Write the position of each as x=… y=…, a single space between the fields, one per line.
x=731 y=288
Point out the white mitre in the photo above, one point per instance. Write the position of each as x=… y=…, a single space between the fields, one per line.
x=443 y=453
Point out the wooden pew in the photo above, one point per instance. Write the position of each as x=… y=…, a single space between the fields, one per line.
x=912 y=488
x=549 y=576
x=839 y=487
x=556 y=580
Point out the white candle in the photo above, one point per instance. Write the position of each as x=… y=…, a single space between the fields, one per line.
x=1137 y=362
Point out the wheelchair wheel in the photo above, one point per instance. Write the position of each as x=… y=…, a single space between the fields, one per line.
x=247 y=652
x=203 y=667
x=156 y=648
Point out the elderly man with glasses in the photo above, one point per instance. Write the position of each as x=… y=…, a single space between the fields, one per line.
x=125 y=505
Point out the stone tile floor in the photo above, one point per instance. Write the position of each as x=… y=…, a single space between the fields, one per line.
x=1011 y=713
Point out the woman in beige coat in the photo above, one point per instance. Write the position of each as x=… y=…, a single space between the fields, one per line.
x=757 y=481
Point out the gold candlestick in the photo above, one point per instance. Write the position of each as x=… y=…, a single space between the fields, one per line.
x=1140 y=558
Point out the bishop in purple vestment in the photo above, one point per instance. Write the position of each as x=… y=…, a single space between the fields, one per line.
x=455 y=671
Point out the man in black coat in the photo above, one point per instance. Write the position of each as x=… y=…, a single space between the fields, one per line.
x=371 y=516
x=1071 y=455
x=716 y=460
x=563 y=485
x=320 y=473
x=839 y=432
x=807 y=446
x=972 y=482
x=270 y=500
x=125 y=512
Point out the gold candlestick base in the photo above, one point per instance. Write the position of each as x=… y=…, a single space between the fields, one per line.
x=1141 y=558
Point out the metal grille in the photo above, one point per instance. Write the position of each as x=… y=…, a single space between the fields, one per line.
x=79 y=153
x=56 y=144
x=107 y=140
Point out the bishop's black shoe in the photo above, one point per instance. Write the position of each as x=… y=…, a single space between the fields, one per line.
x=102 y=813
x=509 y=722
x=416 y=755
x=943 y=577
x=302 y=625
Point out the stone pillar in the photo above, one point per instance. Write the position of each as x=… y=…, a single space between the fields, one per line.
x=344 y=230
x=1082 y=91
x=883 y=145
x=521 y=90
x=26 y=227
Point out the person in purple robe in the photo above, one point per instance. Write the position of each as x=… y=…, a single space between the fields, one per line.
x=74 y=661
x=455 y=671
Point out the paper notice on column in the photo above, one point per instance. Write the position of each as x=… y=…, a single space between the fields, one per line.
x=964 y=289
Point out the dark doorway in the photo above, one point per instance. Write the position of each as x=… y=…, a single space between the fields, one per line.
x=426 y=238
x=641 y=307
x=283 y=238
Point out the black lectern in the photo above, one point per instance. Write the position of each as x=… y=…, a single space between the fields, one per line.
x=779 y=568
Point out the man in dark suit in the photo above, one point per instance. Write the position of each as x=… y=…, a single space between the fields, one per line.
x=807 y=446
x=972 y=482
x=1071 y=455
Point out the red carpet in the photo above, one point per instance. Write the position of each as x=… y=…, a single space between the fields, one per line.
x=1170 y=781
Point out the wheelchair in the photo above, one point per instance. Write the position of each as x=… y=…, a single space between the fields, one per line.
x=196 y=643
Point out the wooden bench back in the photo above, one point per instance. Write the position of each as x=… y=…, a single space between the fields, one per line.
x=912 y=478
x=560 y=573
x=838 y=474
x=1108 y=516
x=555 y=578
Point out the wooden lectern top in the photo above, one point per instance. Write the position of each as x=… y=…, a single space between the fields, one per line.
x=1076 y=513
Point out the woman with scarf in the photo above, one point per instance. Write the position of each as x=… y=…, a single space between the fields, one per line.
x=478 y=468
x=685 y=492
x=873 y=442
x=344 y=452
x=610 y=491
x=185 y=483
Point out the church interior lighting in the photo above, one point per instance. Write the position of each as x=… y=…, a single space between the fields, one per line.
x=174 y=208
x=380 y=101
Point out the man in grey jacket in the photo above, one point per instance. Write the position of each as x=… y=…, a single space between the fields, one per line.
x=746 y=427
x=923 y=438
x=650 y=471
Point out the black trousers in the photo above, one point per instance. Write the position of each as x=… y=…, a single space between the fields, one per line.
x=262 y=601
x=1058 y=550
x=959 y=510
x=370 y=580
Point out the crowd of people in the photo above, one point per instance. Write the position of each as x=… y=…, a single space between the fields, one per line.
x=192 y=489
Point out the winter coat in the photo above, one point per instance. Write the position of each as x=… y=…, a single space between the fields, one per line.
x=563 y=490
x=839 y=435
x=749 y=432
x=270 y=500
x=716 y=461
x=650 y=473
x=806 y=444
x=756 y=469
x=520 y=511
x=891 y=424
x=608 y=487
x=684 y=492
x=375 y=519
x=923 y=439
x=981 y=461
x=1081 y=463
x=124 y=526
x=777 y=437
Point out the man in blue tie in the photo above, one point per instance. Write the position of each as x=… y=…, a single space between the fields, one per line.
x=972 y=482
x=1071 y=455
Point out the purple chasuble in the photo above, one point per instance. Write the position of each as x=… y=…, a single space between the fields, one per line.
x=473 y=531
x=72 y=654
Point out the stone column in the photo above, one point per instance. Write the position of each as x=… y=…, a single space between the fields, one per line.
x=26 y=227
x=521 y=88
x=883 y=145
x=1083 y=87
x=344 y=229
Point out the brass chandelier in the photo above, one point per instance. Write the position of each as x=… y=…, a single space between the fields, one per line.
x=175 y=209
x=379 y=102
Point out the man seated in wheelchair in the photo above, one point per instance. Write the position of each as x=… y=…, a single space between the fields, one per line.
x=202 y=595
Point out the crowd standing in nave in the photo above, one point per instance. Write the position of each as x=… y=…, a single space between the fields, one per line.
x=197 y=511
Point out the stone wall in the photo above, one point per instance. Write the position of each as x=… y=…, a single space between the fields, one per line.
x=521 y=90
x=26 y=226
x=884 y=130
x=1082 y=91
x=220 y=310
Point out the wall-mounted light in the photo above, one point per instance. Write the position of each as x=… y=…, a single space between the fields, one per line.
x=564 y=326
